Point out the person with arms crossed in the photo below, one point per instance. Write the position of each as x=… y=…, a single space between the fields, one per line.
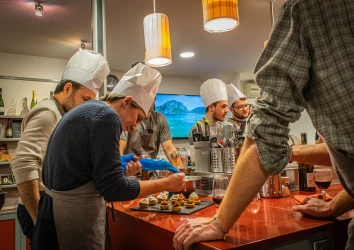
x=307 y=64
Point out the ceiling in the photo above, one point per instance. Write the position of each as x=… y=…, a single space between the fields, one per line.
x=65 y=23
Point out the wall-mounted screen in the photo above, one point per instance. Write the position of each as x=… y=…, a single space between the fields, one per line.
x=181 y=111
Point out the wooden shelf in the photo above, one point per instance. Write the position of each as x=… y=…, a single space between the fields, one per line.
x=11 y=116
x=9 y=139
x=8 y=186
x=5 y=163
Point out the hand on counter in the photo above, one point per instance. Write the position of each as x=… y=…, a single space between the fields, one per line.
x=314 y=207
x=191 y=231
x=133 y=167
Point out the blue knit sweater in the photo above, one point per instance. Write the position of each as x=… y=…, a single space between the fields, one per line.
x=84 y=147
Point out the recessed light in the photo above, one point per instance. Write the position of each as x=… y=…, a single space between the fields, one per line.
x=187 y=54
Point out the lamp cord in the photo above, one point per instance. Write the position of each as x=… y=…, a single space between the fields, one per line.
x=154 y=7
x=271 y=13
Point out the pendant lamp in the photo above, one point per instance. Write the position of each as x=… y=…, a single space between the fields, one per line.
x=271 y=17
x=220 y=15
x=157 y=40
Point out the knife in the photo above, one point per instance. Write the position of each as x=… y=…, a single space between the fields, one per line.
x=199 y=126
x=207 y=130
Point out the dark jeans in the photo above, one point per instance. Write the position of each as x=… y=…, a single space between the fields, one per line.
x=25 y=221
x=45 y=235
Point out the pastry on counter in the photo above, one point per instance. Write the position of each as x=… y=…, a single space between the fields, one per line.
x=164 y=205
x=190 y=203
x=174 y=197
x=193 y=195
x=176 y=207
x=152 y=201
x=162 y=197
x=144 y=203
x=181 y=202
x=196 y=201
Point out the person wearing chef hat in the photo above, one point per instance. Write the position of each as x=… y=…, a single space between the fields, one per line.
x=149 y=135
x=214 y=97
x=82 y=168
x=238 y=105
x=83 y=76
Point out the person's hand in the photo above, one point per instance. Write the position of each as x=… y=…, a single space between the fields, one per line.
x=174 y=182
x=192 y=231
x=133 y=167
x=314 y=207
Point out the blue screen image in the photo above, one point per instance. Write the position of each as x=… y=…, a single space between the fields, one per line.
x=181 y=111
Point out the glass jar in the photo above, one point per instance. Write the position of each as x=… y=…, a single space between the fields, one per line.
x=183 y=154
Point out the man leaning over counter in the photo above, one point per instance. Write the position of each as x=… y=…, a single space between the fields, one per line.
x=80 y=82
x=82 y=167
x=307 y=64
x=214 y=97
x=148 y=136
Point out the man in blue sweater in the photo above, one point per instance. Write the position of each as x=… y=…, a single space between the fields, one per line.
x=82 y=168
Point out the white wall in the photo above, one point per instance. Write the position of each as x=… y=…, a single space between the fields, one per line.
x=32 y=67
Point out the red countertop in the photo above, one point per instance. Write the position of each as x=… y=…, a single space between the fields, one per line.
x=264 y=223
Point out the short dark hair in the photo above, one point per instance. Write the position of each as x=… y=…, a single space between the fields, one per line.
x=214 y=104
x=60 y=86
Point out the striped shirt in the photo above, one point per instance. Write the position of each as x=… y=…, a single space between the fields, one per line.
x=307 y=64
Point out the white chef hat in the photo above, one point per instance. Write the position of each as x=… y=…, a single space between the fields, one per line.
x=141 y=83
x=213 y=90
x=233 y=93
x=88 y=68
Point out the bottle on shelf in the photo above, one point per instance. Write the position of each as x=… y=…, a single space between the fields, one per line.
x=2 y=107
x=306 y=177
x=34 y=99
x=9 y=130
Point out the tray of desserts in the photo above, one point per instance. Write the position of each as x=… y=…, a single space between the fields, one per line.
x=177 y=204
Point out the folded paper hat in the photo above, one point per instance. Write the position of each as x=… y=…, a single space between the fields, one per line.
x=88 y=68
x=141 y=83
x=213 y=90
x=301 y=198
x=233 y=93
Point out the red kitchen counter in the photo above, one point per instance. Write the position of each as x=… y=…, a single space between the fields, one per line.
x=268 y=222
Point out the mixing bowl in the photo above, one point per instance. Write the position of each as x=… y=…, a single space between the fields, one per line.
x=190 y=185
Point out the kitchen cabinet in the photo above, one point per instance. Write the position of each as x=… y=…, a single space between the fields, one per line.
x=11 y=236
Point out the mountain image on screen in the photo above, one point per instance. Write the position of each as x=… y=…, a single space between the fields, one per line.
x=181 y=111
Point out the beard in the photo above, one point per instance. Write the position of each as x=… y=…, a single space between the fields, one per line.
x=69 y=103
x=239 y=116
x=219 y=119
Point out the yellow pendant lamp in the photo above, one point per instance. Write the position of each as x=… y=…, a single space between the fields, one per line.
x=220 y=15
x=157 y=40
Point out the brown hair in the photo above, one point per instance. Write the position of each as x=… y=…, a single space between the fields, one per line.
x=115 y=97
x=214 y=104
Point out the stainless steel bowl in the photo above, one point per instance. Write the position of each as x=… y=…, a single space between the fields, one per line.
x=190 y=185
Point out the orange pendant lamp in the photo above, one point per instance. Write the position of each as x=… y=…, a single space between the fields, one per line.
x=157 y=40
x=220 y=15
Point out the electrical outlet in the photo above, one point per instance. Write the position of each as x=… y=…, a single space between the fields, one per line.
x=322 y=245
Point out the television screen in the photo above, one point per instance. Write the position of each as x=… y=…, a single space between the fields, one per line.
x=181 y=111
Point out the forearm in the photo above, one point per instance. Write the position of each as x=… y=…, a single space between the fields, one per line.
x=246 y=181
x=316 y=154
x=341 y=203
x=122 y=146
x=29 y=192
x=152 y=187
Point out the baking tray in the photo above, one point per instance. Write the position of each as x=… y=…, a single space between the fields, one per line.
x=184 y=210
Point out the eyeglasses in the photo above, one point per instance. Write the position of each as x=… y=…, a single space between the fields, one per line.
x=243 y=107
